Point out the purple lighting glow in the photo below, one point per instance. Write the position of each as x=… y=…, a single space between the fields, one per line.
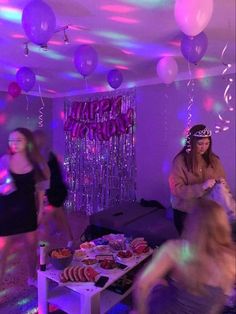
x=118 y=8
x=20 y=36
x=124 y=20
x=84 y=40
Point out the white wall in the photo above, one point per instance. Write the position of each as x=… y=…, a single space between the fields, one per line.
x=161 y=118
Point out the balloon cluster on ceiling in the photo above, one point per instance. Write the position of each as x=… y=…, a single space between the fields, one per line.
x=192 y=17
x=39 y=24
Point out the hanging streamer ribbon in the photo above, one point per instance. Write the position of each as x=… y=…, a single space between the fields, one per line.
x=41 y=109
x=224 y=123
x=190 y=87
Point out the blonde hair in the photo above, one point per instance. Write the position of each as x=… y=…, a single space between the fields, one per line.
x=208 y=234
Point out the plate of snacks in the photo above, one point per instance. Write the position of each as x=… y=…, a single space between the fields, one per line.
x=139 y=246
x=108 y=264
x=87 y=246
x=101 y=249
x=89 y=261
x=117 y=244
x=79 y=254
x=124 y=255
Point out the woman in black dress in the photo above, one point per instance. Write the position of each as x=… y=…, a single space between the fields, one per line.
x=57 y=192
x=25 y=176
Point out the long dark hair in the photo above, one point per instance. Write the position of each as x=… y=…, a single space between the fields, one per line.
x=34 y=156
x=190 y=157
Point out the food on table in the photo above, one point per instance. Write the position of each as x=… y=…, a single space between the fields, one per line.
x=102 y=257
x=102 y=248
x=89 y=261
x=80 y=253
x=139 y=246
x=79 y=274
x=87 y=245
x=90 y=273
x=108 y=264
x=61 y=253
x=118 y=244
x=124 y=254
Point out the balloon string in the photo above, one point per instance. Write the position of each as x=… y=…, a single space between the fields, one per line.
x=190 y=87
x=165 y=117
x=224 y=123
x=41 y=109
x=27 y=110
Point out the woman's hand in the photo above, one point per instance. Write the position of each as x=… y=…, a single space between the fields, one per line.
x=208 y=184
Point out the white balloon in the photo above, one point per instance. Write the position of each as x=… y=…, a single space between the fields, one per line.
x=167 y=69
x=192 y=16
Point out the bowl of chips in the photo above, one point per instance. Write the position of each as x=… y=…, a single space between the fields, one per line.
x=61 y=258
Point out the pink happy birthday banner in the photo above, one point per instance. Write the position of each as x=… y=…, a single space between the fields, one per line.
x=100 y=163
x=99 y=119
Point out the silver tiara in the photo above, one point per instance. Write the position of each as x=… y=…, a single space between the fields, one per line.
x=203 y=133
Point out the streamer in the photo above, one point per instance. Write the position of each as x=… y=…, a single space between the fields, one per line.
x=224 y=123
x=190 y=84
x=41 y=110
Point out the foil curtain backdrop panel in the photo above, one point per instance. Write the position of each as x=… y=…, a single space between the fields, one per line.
x=101 y=173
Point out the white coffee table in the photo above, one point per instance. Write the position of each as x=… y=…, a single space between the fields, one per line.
x=82 y=298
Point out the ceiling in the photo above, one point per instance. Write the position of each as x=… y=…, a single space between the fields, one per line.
x=131 y=35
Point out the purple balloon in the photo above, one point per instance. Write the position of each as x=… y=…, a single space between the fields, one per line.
x=14 y=89
x=85 y=60
x=25 y=77
x=194 y=48
x=114 y=78
x=38 y=21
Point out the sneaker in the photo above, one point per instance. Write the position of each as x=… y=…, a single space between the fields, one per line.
x=32 y=282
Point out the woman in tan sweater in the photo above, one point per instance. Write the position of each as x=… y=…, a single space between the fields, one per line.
x=195 y=170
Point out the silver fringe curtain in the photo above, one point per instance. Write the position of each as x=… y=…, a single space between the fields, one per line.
x=99 y=173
